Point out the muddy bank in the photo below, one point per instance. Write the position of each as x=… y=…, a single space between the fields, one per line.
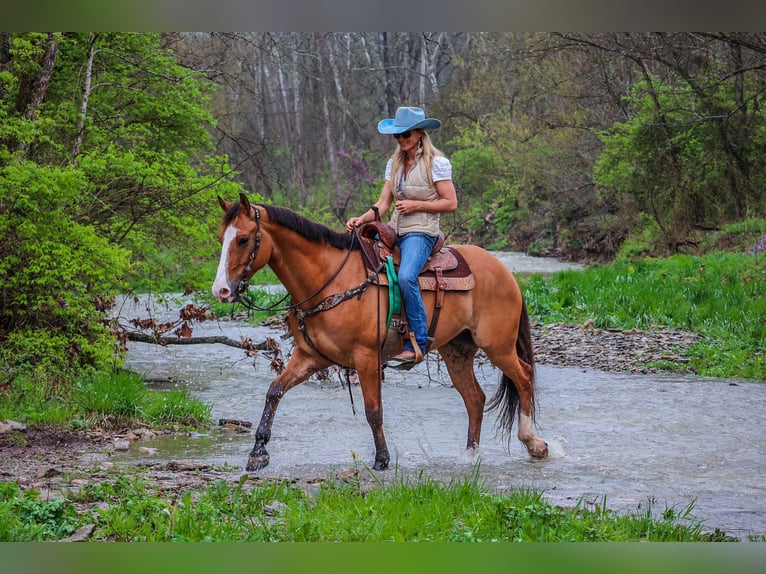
x=611 y=350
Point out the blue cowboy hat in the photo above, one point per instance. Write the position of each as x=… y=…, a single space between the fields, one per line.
x=408 y=119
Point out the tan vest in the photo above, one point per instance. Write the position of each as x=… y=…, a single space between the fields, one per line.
x=416 y=186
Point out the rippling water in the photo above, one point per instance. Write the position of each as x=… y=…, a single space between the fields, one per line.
x=631 y=439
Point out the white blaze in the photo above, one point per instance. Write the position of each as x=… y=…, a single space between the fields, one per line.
x=221 y=276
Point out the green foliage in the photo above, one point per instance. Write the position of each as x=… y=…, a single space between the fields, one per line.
x=33 y=399
x=121 y=395
x=676 y=159
x=124 y=395
x=746 y=236
x=54 y=270
x=25 y=517
x=416 y=510
x=719 y=296
x=175 y=406
x=99 y=188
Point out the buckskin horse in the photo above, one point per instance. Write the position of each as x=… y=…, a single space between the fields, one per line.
x=335 y=318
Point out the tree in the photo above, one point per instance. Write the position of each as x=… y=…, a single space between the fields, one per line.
x=106 y=171
x=289 y=103
x=689 y=152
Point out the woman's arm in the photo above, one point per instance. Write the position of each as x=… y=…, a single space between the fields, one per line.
x=383 y=204
x=446 y=203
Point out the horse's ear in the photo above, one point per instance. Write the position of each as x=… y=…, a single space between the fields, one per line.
x=244 y=203
x=225 y=205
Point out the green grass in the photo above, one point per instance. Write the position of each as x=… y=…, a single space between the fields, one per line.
x=121 y=396
x=719 y=296
x=131 y=509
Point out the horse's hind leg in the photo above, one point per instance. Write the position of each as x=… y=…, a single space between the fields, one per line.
x=458 y=356
x=298 y=370
x=520 y=374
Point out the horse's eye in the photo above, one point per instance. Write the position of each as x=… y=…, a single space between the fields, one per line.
x=242 y=241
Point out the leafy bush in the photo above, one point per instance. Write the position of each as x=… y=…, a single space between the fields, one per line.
x=55 y=272
x=25 y=517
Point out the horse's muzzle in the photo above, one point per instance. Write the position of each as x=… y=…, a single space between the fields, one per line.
x=226 y=293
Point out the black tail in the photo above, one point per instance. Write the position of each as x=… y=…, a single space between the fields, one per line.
x=506 y=397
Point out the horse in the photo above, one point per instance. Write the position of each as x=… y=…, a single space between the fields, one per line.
x=335 y=318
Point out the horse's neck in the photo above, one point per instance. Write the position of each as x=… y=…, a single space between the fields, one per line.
x=302 y=266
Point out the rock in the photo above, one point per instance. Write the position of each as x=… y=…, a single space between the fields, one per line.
x=236 y=427
x=235 y=422
x=142 y=434
x=347 y=475
x=186 y=465
x=121 y=445
x=147 y=450
x=48 y=472
x=274 y=508
x=16 y=426
x=9 y=426
x=613 y=350
x=82 y=534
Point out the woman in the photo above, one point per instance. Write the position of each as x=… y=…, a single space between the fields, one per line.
x=418 y=182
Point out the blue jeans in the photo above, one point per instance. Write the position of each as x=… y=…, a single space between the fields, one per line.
x=415 y=247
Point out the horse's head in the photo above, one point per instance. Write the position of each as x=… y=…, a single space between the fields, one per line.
x=242 y=250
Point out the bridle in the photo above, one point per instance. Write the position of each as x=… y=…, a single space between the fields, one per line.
x=244 y=281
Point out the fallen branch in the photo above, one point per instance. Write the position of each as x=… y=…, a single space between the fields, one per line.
x=246 y=344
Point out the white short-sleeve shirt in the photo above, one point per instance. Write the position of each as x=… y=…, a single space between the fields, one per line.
x=441 y=168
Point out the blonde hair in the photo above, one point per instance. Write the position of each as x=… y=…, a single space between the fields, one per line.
x=427 y=153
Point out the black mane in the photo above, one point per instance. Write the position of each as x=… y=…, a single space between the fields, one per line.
x=311 y=230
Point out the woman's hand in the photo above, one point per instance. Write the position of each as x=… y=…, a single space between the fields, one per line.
x=354 y=222
x=407 y=206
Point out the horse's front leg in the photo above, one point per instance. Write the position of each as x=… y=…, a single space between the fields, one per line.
x=373 y=409
x=300 y=367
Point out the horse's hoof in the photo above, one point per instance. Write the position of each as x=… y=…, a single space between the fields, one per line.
x=538 y=451
x=257 y=462
x=380 y=465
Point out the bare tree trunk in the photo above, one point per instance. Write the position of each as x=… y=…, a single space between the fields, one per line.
x=80 y=136
x=431 y=49
x=340 y=97
x=329 y=136
x=297 y=157
x=423 y=69
x=389 y=74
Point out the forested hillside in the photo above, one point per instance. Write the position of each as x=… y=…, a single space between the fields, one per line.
x=562 y=143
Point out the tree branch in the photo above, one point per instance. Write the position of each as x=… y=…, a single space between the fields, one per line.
x=245 y=344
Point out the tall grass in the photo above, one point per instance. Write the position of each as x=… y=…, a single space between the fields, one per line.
x=118 y=396
x=131 y=509
x=124 y=395
x=720 y=296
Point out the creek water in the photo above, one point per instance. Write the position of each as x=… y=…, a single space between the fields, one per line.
x=629 y=442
